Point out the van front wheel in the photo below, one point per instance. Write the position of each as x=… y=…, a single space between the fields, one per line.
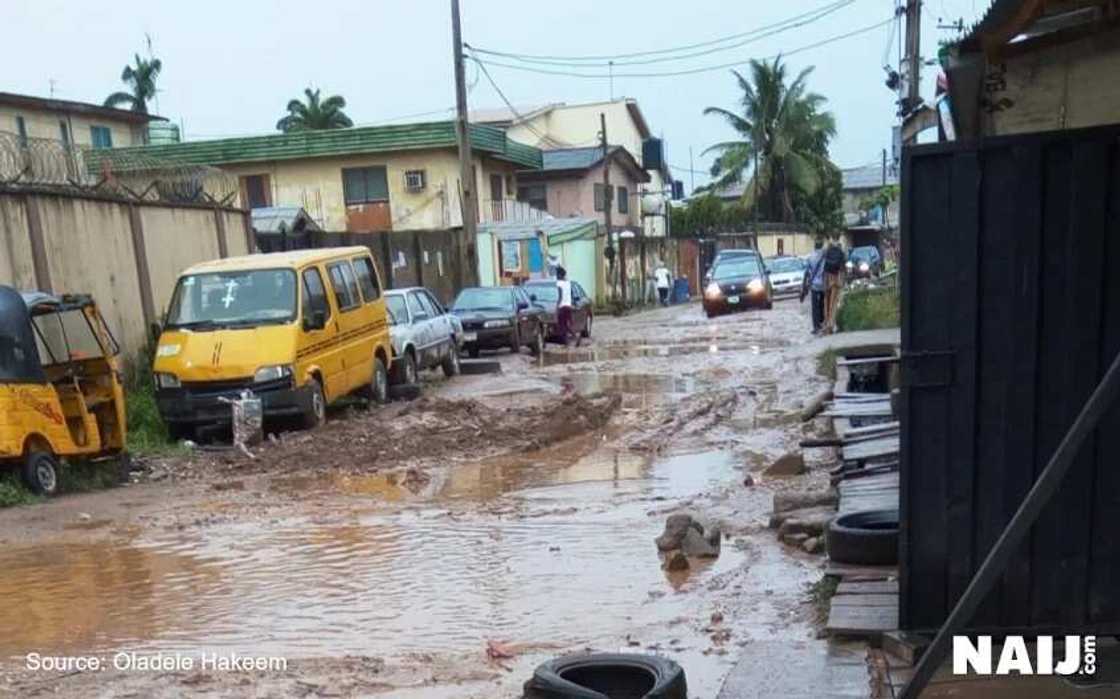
x=40 y=473
x=315 y=413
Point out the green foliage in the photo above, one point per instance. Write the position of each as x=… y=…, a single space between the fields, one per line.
x=13 y=492
x=822 y=211
x=821 y=593
x=826 y=364
x=315 y=114
x=868 y=309
x=147 y=434
x=882 y=198
x=141 y=80
x=708 y=213
x=782 y=151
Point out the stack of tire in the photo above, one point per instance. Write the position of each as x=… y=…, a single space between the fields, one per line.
x=868 y=537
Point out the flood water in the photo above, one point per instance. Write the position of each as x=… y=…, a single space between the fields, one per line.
x=443 y=574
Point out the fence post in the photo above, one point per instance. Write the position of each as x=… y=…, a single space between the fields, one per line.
x=220 y=222
x=417 y=247
x=386 y=259
x=38 y=245
x=143 y=274
x=250 y=235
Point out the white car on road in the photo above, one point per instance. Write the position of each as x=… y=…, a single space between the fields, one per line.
x=786 y=274
x=424 y=335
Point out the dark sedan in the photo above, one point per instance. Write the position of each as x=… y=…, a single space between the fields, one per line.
x=545 y=294
x=738 y=283
x=500 y=316
x=864 y=262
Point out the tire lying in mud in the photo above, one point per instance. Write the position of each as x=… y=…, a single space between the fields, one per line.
x=607 y=676
x=869 y=537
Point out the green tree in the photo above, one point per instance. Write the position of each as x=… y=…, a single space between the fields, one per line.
x=315 y=114
x=141 y=80
x=822 y=212
x=782 y=148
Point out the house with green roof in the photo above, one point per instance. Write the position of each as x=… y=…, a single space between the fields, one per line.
x=361 y=179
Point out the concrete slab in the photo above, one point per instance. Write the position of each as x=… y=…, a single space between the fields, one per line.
x=798 y=670
x=474 y=367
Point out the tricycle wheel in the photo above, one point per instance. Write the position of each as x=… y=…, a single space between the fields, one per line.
x=40 y=472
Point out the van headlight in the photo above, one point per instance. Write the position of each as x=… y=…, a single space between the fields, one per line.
x=864 y=267
x=713 y=291
x=273 y=372
x=755 y=286
x=501 y=323
x=849 y=264
x=165 y=380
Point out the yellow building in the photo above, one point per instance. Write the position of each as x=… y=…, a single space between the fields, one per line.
x=364 y=179
x=72 y=123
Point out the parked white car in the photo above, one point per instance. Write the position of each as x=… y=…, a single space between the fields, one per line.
x=786 y=274
x=424 y=335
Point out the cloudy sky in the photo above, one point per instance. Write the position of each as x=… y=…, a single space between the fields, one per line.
x=230 y=67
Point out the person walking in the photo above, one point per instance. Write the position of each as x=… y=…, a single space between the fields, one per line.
x=834 y=260
x=813 y=284
x=564 y=306
x=664 y=282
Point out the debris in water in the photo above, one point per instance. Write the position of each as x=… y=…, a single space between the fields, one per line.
x=676 y=561
x=496 y=650
x=791 y=464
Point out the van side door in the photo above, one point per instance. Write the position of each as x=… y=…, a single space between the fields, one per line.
x=317 y=344
x=355 y=360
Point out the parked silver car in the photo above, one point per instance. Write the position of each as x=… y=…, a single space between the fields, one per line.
x=424 y=335
x=786 y=274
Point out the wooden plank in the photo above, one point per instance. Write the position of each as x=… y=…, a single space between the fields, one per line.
x=864 y=622
x=862 y=572
x=884 y=446
x=1104 y=574
x=872 y=587
x=866 y=599
x=961 y=414
x=872 y=429
x=885 y=359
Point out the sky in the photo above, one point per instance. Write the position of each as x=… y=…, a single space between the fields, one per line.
x=229 y=68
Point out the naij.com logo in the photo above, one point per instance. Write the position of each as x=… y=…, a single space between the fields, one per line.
x=1079 y=656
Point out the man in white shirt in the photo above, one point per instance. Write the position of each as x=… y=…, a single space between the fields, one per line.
x=564 y=305
x=664 y=282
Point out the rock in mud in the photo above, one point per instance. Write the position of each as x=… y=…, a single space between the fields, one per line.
x=802 y=500
x=812 y=524
x=791 y=464
x=811 y=513
x=676 y=526
x=676 y=561
x=813 y=544
x=748 y=481
x=696 y=544
x=797 y=539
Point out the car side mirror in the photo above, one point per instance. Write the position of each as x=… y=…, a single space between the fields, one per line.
x=316 y=321
x=532 y=297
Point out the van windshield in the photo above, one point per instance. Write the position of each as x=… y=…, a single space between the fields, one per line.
x=233 y=299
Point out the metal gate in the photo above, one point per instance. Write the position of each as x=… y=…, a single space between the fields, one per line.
x=1011 y=314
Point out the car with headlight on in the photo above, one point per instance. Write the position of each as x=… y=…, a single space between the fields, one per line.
x=737 y=284
x=499 y=316
x=864 y=262
x=786 y=275
x=423 y=333
x=727 y=254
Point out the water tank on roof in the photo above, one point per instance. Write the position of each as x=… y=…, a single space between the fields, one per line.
x=163 y=132
x=652 y=154
x=653 y=204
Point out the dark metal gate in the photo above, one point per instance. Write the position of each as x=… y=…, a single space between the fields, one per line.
x=1011 y=314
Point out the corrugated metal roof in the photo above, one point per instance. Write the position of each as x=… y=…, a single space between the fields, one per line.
x=269 y=219
x=517 y=230
x=867 y=177
x=489 y=140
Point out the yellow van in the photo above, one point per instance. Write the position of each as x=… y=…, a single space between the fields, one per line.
x=299 y=329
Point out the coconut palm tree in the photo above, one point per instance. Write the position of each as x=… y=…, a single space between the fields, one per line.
x=141 y=79
x=784 y=134
x=314 y=114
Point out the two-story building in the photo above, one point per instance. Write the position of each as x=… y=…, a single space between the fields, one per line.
x=363 y=179
x=72 y=123
x=868 y=222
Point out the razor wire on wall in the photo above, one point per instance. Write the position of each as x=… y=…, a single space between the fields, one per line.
x=112 y=172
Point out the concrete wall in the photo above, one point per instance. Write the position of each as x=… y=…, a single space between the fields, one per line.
x=316 y=185
x=93 y=244
x=799 y=244
x=1066 y=86
x=45 y=124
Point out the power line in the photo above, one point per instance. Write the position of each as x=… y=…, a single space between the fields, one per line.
x=751 y=37
x=691 y=71
x=656 y=52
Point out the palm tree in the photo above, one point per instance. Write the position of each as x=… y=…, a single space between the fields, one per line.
x=314 y=114
x=784 y=134
x=142 y=81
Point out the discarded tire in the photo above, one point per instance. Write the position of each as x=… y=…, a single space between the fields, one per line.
x=869 y=537
x=607 y=676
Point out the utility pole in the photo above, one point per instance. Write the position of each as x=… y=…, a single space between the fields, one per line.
x=607 y=198
x=884 y=167
x=913 y=54
x=468 y=205
x=691 y=172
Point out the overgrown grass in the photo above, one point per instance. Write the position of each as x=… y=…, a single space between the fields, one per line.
x=821 y=593
x=868 y=309
x=13 y=492
x=147 y=434
x=826 y=364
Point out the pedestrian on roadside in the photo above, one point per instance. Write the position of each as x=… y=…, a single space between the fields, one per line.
x=664 y=282
x=813 y=284
x=564 y=306
x=834 y=260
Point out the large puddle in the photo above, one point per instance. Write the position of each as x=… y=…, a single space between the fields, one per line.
x=555 y=547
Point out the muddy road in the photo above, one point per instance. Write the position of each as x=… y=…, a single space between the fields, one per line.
x=382 y=553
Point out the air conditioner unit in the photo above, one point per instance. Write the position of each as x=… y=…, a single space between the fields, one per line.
x=414 y=180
